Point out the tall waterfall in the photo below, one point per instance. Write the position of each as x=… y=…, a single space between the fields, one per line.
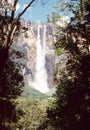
x=40 y=82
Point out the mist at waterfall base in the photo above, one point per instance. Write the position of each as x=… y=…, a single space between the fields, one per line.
x=40 y=82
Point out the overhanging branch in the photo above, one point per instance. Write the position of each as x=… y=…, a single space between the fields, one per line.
x=18 y=17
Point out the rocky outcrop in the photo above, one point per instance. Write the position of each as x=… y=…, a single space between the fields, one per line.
x=50 y=64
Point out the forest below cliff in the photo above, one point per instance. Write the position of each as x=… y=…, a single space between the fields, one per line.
x=69 y=107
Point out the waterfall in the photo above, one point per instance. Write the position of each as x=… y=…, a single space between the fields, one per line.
x=44 y=39
x=40 y=82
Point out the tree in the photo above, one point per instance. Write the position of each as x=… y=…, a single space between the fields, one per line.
x=11 y=85
x=9 y=24
x=71 y=109
x=10 y=78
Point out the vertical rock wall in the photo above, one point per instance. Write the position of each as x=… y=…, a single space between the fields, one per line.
x=26 y=43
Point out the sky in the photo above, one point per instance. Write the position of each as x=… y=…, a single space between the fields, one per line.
x=37 y=12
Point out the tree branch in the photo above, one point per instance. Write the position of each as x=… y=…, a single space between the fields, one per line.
x=18 y=17
x=13 y=11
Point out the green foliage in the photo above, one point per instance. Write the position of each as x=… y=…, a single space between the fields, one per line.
x=11 y=84
x=33 y=104
x=10 y=78
x=53 y=17
x=31 y=116
x=29 y=92
x=71 y=109
x=59 y=51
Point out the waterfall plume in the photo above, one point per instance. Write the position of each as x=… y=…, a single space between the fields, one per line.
x=40 y=82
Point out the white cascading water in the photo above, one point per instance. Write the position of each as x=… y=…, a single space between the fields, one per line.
x=40 y=82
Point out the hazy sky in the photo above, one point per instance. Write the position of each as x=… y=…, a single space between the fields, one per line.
x=38 y=11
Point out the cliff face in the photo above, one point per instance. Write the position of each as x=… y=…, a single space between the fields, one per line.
x=27 y=43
